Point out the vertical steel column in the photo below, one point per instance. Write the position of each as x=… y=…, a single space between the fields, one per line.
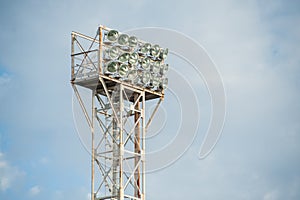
x=137 y=149
x=121 y=152
x=144 y=146
x=93 y=148
x=100 y=50
x=115 y=163
x=72 y=57
x=115 y=99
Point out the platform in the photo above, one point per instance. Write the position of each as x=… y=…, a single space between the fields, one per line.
x=93 y=82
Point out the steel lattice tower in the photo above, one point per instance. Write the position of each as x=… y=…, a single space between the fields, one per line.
x=118 y=123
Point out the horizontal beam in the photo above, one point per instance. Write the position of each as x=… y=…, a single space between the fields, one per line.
x=84 y=52
x=85 y=37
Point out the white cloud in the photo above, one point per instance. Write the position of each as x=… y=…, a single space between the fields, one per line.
x=271 y=195
x=4 y=79
x=44 y=160
x=35 y=190
x=80 y=193
x=8 y=174
x=41 y=161
x=58 y=194
x=4 y=183
x=3 y=164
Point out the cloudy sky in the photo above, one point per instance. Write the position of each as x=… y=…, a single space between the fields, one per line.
x=255 y=45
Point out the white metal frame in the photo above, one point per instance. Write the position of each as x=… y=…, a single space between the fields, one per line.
x=118 y=123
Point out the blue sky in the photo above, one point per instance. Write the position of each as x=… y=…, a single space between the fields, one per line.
x=255 y=45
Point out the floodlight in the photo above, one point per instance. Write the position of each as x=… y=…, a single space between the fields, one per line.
x=154 y=51
x=164 y=83
x=163 y=53
x=136 y=61
x=132 y=76
x=133 y=58
x=123 y=70
x=133 y=41
x=124 y=58
x=164 y=69
x=155 y=68
x=113 y=52
x=145 y=48
x=123 y=39
x=112 y=35
x=145 y=63
x=155 y=81
x=112 y=67
x=145 y=77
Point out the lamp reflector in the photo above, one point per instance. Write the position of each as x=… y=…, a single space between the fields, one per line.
x=154 y=51
x=112 y=35
x=145 y=48
x=112 y=67
x=145 y=63
x=163 y=53
x=132 y=76
x=113 y=52
x=133 y=41
x=155 y=68
x=164 y=83
x=164 y=69
x=155 y=82
x=133 y=58
x=124 y=57
x=146 y=76
x=123 y=70
x=123 y=39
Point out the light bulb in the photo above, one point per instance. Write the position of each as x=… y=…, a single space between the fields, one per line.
x=113 y=52
x=154 y=51
x=163 y=53
x=145 y=78
x=164 y=69
x=132 y=76
x=123 y=39
x=164 y=83
x=155 y=68
x=133 y=41
x=123 y=70
x=145 y=48
x=155 y=82
x=133 y=58
x=124 y=57
x=112 y=67
x=145 y=63
x=112 y=35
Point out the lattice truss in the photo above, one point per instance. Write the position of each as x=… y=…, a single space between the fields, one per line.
x=119 y=149
x=118 y=127
x=85 y=56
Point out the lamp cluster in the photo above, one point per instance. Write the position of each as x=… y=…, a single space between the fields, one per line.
x=131 y=60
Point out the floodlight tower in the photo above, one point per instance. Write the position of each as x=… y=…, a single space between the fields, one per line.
x=122 y=73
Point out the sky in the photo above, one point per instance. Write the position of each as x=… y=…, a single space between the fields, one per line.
x=255 y=46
